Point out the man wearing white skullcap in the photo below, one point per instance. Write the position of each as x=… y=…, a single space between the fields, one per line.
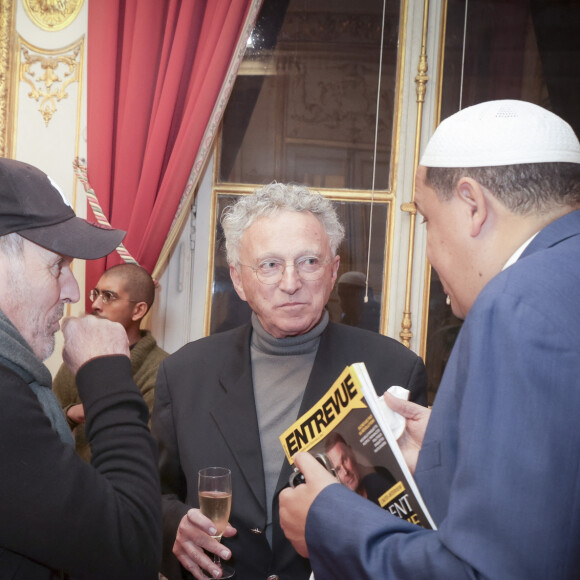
x=498 y=458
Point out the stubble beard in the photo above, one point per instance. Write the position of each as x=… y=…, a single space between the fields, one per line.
x=43 y=339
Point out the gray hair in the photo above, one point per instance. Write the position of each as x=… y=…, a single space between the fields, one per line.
x=273 y=198
x=522 y=188
x=11 y=245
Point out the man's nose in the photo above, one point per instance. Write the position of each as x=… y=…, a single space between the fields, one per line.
x=69 y=289
x=97 y=304
x=291 y=280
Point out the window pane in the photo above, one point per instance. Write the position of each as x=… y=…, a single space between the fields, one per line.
x=303 y=107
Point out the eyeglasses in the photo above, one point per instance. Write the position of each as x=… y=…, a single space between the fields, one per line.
x=270 y=271
x=106 y=296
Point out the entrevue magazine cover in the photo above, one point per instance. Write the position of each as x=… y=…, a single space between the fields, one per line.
x=349 y=426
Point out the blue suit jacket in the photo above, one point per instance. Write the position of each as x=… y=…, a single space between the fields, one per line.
x=499 y=468
x=204 y=414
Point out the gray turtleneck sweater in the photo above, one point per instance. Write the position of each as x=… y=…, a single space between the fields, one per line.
x=280 y=370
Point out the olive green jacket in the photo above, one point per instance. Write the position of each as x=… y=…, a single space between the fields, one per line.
x=146 y=357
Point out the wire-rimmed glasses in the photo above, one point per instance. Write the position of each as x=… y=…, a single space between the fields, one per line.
x=270 y=271
x=106 y=296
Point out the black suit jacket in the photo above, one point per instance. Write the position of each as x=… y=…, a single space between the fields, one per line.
x=205 y=414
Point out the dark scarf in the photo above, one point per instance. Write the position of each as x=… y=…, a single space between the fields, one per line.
x=16 y=354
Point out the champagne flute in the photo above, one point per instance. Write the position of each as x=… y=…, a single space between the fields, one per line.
x=215 y=502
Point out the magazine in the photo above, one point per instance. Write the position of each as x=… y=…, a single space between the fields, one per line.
x=352 y=428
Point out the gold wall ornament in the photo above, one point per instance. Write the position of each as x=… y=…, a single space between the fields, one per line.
x=49 y=74
x=52 y=14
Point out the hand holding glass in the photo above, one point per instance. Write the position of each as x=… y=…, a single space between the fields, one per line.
x=215 y=502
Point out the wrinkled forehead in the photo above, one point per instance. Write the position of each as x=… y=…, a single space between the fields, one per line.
x=37 y=252
x=285 y=227
x=288 y=236
x=113 y=282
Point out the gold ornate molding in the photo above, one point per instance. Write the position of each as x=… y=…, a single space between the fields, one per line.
x=421 y=80
x=49 y=74
x=7 y=15
x=52 y=14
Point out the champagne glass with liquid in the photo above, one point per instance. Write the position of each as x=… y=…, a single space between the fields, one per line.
x=215 y=502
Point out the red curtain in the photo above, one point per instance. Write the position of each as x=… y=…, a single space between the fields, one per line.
x=155 y=70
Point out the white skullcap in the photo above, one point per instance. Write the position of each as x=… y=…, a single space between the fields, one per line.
x=504 y=132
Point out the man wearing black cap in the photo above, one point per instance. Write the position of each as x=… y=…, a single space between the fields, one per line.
x=498 y=459
x=60 y=517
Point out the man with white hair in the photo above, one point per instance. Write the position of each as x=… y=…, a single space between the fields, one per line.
x=499 y=456
x=225 y=399
x=59 y=516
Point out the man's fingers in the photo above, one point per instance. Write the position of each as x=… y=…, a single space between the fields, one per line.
x=401 y=406
x=407 y=409
x=305 y=461
x=193 y=537
x=313 y=471
x=88 y=337
x=194 y=560
x=307 y=464
x=197 y=519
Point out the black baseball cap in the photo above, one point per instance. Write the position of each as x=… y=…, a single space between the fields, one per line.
x=32 y=205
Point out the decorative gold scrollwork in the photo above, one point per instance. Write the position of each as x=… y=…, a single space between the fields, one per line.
x=52 y=14
x=49 y=76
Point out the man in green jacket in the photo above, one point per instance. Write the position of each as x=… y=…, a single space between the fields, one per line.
x=123 y=294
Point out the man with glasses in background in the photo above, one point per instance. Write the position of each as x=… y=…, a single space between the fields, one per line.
x=124 y=294
x=225 y=399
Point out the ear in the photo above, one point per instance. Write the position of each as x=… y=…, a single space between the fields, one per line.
x=335 y=263
x=139 y=311
x=472 y=194
x=237 y=280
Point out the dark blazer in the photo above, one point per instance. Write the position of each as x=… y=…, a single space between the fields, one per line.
x=500 y=463
x=205 y=414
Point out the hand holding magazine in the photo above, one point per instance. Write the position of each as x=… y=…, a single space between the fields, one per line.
x=354 y=430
